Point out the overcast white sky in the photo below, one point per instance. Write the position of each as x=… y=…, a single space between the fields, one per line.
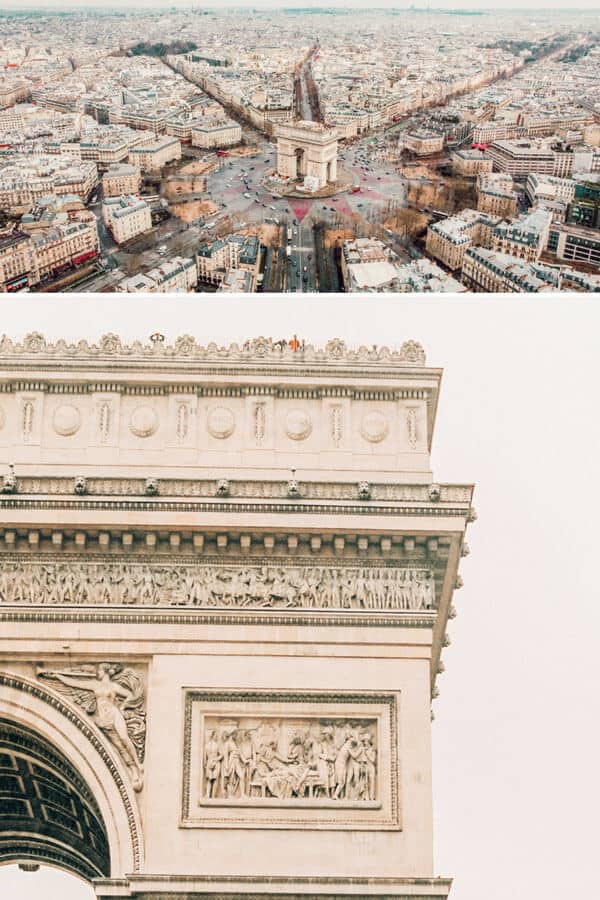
x=516 y=737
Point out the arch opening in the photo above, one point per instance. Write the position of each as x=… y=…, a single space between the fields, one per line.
x=26 y=880
x=48 y=814
x=300 y=155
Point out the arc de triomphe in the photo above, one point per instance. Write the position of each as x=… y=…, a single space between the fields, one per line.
x=307 y=150
x=225 y=580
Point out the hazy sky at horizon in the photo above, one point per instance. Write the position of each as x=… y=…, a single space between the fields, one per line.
x=586 y=5
x=515 y=739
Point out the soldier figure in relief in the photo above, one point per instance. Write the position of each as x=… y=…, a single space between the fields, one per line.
x=212 y=763
x=368 y=766
x=346 y=768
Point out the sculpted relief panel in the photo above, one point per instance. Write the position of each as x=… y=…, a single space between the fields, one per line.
x=280 y=760
x=300 y=759
x=105 y=582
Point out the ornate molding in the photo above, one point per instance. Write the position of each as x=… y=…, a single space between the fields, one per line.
x=372 y=508
x=197 y=389
x=89 y=732
x=186 y=348
x=243 y=488
x=167 y=616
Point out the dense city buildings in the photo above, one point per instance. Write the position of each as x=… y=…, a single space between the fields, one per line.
x=189 y=133
x=492 y=271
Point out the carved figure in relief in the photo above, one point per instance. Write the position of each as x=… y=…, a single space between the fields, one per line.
x=368 y=765
x=325 y=758
x=346 y=768
x=212 y=763
x=9 y=481
x=274 y=759
x=258 y=587
x=113 y=697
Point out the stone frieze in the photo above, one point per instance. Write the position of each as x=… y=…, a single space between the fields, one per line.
x=108 y=583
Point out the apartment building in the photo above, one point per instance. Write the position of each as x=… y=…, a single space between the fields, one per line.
x=216 y=133
x=449 y=239
x=141 y=118
x=491 y=271
x=214 y=259
x=530 y=126
x=110 y=144
x=496 y=196
x=13 y=90
x=17 y=268
x=524 y=238
x=177 y=275
x=548 y=187
x=51 y=210
x=122 y=179
x=576 y=245
x=471 y=162
x=520 y=157
x=369 y=265
x=126 y=217
x=153 y=157
x=180 y=126
x=236 y=281
x=543 y=157
x=423 y=142
x=66 y=245
x=26 y=259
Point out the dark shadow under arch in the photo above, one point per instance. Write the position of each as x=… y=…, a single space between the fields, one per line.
x=47 y=811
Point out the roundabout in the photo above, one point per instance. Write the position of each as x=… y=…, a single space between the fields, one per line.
x=280 y=186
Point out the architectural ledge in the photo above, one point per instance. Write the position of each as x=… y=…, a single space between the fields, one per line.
x=186 y=887
x=433 y=496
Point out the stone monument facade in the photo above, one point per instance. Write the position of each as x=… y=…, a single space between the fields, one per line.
x=307 y=151
x=225 y=580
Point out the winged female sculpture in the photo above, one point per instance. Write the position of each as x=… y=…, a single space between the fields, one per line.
x=114 y=697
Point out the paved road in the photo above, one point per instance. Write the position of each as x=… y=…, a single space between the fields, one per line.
x=305 y=110
x=236 y=188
